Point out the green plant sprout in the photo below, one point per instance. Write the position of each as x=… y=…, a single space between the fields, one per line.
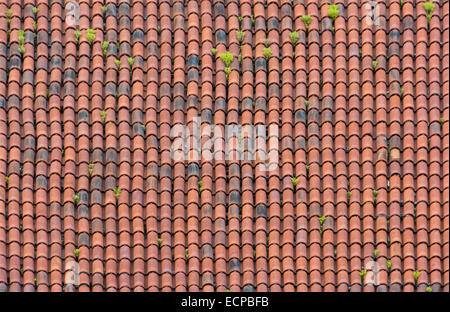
x=252 y=18
x=160 y=241
x=103 y=115
x=333 y=11
x=322 y=220
x=214 y=51
x=21 y=37
x=363 y=273
x=131 y=61
x=76 y=253
x=240 y=19
x=388 y=265
x=104 y=8
x=200 y=183
x=240 y=59
x=294 y=181
x=8 y=15
x=429 y=289
x=374 y=64
x=416 y=275
x=105 y=45
x=117 y=191
x=91 y=168
x=77 y=34
x=240 y=35
x=6 y=180
x=35 y=10
x=442 y=120
x=117 y=64
x=349 y=195
x=429 y=8
x=267 y=52
x=187 y=254
x=306 y=103
x=76 y=198
x=34 y=25
x=376 y=252
x=90 y=35
x=227 y=71
x=227 y=58
x=294 y=37
x=306 y=19
x=402 y=2
x=375 y=194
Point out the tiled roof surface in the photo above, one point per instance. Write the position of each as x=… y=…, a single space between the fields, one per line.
x=363 y=162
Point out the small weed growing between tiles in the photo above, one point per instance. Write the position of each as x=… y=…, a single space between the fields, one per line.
x=105 y=45
x=333 y=13
x=8 y=15
x=227 y=58
x=240 y=35
x=376 y=252
x=77 y=34
x=374 y=64
x=267 y=52
x=306 y=19
x=429 y=8
x=76 y=198
x=103 y=115
x=21 y=36
x=416 y=275
x=375 y=195
x=294 y=37
x=90 y=35
x=117 y=191
x=363 y=274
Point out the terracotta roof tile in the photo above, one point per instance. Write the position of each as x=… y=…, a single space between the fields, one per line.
x=354 y=195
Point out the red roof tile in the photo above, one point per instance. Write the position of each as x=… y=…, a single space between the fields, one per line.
x=356 y=195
